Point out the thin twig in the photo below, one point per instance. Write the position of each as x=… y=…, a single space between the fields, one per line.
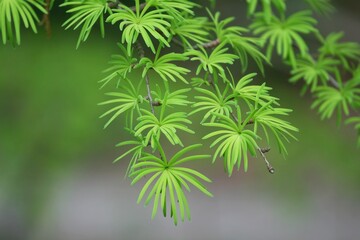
x=46 y=19
x=149 y=94
x=117 y=5
x=177 y=42
x=333 y=81
x=141 y=52
x=234 y=117
x=210 y=44
x=268 y=165
x=152 y=103
x=114 y=4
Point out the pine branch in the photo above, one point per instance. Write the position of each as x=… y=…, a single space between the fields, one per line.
x=331 y=79
x=261 y=150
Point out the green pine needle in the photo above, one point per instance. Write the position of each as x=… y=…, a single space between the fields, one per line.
x=146 y=23
x=13 y=13
x=168 y=180
x=86 y=14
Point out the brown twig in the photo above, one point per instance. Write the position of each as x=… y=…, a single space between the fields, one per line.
x=210 y=44
x=114 y=4
x=46 y=19
x=177 y=42
x=117 y=5
x=268 y=165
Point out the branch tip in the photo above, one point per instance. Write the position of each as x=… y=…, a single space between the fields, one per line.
x=268 y=165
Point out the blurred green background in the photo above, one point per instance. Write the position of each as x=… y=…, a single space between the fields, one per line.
x=57 y=179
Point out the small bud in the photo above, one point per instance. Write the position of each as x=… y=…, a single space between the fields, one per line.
x=265 y=150
x=156 y=104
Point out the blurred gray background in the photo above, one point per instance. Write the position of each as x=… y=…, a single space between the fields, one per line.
x=58 y=182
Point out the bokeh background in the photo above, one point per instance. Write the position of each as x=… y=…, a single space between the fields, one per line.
x=58 y=182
